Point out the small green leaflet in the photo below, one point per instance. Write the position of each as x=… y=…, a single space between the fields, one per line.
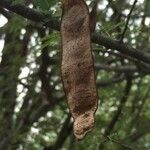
x=42 y=4
x=16 y=2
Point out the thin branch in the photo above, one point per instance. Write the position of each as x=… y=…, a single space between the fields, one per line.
x=117 y=114
x=5 y=13
x=139 y=67
x=121 y=47
x=118 y=142
x=63 y=134
x=127 y=68
x=109 y=82
x=30 y=14
x=139 y=64
x=116 y=9
x=128 y=18
x=23 y=10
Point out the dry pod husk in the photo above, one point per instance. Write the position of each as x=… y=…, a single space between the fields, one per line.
x=77 y=66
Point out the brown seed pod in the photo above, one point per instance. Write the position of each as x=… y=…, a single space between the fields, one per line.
x=77 y=65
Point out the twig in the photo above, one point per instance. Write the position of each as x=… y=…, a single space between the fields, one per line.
x=118 y=142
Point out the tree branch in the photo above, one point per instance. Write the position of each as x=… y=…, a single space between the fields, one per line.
x=23 y=10
x=121 y=47
x=128 y=18
x=116 y=116
x=5 y=13
x=109 y=82
x=127 y=68
x=63 y=134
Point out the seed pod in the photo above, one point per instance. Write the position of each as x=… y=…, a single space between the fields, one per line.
x=77 y=66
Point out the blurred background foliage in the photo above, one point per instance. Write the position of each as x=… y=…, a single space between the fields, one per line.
x=33 y=109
